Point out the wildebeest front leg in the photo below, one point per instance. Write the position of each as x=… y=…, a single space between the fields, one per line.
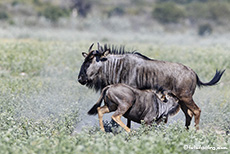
x=117 y=119
x=101 y=111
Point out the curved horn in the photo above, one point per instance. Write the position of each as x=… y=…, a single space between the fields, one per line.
x=91 y=47
x=100 y=49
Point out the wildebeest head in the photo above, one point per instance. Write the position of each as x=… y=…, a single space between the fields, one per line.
x=92 y=64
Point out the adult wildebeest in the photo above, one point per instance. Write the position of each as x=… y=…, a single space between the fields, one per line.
x=133 y=104
x=106 y=66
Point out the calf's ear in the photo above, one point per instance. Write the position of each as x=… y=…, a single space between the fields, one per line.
x=84 y=54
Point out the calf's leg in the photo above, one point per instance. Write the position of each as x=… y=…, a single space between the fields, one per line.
x=129 y=123
x=117 y=118
x=101 y=111
x=121 y=109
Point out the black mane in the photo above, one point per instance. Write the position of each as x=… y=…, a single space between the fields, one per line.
x=121 y=51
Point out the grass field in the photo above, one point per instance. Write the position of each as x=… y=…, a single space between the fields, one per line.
x=41 y=102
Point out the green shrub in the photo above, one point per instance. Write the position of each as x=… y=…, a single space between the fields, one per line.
x=177 y=1
x=11 y=22
x=83 y=7
x=215 y=11
x=218 y=10
x=37 y=2
x=53 y=13
x=117 y=11
x=168 y=12
x=3 y=15
x=14 y=3
x=204 y=29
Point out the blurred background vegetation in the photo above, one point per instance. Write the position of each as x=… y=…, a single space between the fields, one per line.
x=202 y=16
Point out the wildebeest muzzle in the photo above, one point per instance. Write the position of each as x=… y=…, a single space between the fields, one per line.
x=82 y=79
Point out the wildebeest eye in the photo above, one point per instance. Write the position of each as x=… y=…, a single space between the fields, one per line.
x=97 y=59
x=91 y=57
x=103 y=59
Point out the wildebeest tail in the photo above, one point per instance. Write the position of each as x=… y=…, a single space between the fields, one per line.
x=93 y=110
x=214 y=80
x=174 y=110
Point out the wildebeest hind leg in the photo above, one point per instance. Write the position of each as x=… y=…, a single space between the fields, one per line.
x=188 y=114
x=195 y=110
x=101 y=111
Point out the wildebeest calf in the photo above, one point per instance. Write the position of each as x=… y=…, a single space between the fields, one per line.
x=133 y=104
